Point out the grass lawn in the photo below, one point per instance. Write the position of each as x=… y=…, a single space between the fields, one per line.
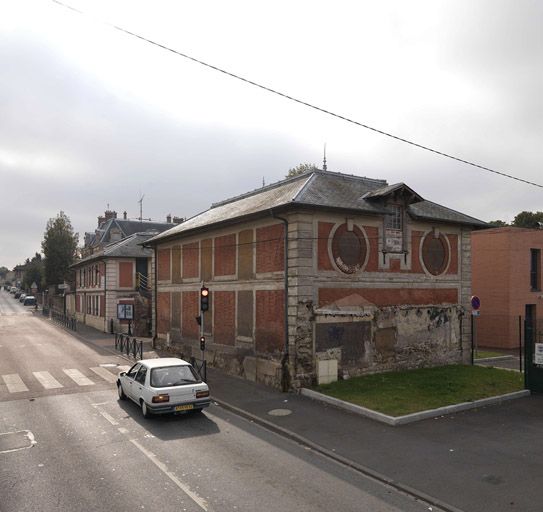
x=399 y=393
x=481 y=354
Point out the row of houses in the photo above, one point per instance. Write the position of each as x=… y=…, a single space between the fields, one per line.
x=319 y=275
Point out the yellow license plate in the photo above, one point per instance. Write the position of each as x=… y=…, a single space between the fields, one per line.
x=187 y=407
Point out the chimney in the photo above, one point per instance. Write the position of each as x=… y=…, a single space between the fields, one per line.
x=124 y=215
x=101 y=220
x=178 y=220
x=169 y=218
x=110 y=214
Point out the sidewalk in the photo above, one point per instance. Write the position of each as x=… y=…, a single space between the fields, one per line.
x=482 y=459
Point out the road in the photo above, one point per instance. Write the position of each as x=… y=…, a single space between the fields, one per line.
x=67 y=443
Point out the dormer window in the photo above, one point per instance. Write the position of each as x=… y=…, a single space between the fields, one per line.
x=394 y=229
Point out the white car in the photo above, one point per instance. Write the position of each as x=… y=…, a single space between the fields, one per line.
x=164 y=385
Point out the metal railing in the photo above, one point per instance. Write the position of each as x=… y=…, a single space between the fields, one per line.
x=45 y=311
x=130 y=347
x=67 y=321
x=142 y=282
x=200 y=366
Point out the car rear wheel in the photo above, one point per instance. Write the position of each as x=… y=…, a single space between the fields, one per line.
x=145 y=410
x=120 y=391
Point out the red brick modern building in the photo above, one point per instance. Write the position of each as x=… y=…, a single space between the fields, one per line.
x=376 y=279
x=507 y=279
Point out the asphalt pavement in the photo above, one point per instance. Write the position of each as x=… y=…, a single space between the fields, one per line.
x=489 y=458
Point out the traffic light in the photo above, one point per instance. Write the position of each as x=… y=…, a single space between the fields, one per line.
x=204 y=298
x=202 y=343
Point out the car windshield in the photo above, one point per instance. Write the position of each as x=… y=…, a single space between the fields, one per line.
x=173 y=376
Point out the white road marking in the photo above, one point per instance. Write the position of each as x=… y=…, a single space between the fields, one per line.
x=47 y=380
x=78 y=377
x=105 y=374
x=123 y=368
x=31 y=440
x=14 y=383
x=109 y=418
x=160 y=465
x=123 y=430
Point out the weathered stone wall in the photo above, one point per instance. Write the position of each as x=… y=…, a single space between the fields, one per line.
x=390 y=338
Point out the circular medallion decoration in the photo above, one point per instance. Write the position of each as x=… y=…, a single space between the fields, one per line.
x=349 y=249
x=435 y=253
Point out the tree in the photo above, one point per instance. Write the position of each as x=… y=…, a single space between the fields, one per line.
x=498 y=223
x=3 y=272
x=531 y=220
x=59 y=247
x=301 y=169
x=34 y=272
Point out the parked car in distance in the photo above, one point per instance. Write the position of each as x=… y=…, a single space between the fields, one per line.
x=18 y=294
x=22 y=297
x=29 y=300
x=164 y=385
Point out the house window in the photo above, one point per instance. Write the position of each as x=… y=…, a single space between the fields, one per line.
x=535 y=269
x=349 y=249
x=435 y=253
x=393 y=220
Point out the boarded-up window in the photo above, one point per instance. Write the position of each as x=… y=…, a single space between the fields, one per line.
x=435 y=253
x=349 y=249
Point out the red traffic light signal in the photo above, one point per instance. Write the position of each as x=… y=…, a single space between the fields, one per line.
x=204 y=298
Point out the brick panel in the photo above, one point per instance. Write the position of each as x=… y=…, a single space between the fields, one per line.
x=190 y=260
x=176 y=310
x=163 y=312
x=225 y=255
x=323 y=258
x=126 y=269
x=392 y=296
x=176 y=264
x=206 y=259
x=269 y=332
x=164 y=256
x=224 y=318
x=245 y=255
x=270 y=248
x=453 y=265
x=245 y=313
x=190 y=310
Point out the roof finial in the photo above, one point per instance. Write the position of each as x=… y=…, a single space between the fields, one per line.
x=324 y=166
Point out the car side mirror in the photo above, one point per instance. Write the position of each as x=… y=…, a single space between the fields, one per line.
x=122 y=374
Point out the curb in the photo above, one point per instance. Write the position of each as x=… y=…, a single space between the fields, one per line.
x=416 y=416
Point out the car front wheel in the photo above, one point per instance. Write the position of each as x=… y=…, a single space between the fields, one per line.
x=120 y=391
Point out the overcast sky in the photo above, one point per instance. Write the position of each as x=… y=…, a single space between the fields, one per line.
x=91 y=117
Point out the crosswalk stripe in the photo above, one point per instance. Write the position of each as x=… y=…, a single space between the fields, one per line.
x=14 y=383
x=123 y=368
x=78 y=377
x=105 y=374
x=47 y=380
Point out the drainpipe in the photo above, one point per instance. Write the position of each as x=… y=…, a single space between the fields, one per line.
x=285 y=375
x=155 y=326
x=106 y=327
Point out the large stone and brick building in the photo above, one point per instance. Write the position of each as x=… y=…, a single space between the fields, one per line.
x=319 y=274
x=507 y=279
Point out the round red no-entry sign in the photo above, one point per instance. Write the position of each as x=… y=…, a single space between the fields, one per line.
x=475 y=302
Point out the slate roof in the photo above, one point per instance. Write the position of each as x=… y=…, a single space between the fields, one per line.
x=315 y=189
x=129 y=247
x=126 y=227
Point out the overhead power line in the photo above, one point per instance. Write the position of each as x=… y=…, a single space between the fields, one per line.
x=307 y=104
